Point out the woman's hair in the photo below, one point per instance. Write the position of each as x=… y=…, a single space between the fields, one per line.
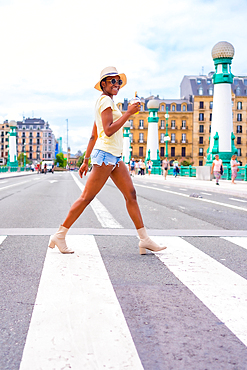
x=104 y=79
x=234 y=155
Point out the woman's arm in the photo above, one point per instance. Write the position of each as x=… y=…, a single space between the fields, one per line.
x=111 y=127
x=212 y=167
x=84 y=167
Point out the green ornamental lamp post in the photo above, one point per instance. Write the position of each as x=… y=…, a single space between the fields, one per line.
x=152 y=152
x=12 y=154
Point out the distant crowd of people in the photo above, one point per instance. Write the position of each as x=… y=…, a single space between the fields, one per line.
x=139 y=167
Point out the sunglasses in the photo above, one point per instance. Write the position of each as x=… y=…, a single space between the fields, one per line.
x=113 y=81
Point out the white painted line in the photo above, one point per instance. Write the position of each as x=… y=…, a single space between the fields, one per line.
x=199 y=199
x=223 y=291
x=2 y=238
x=77 y=321
x=51 y=181
x=10 y=186
x=183 y=189
x=102 y=214
x=241 y=241
x=205 y=193
x=239 y=200
x=3 y=181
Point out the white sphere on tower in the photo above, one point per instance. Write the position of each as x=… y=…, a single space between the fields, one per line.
x=153 y=104
x=223 y=49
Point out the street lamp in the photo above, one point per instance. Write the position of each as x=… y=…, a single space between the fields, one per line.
x=24 y=155
x=166 y=138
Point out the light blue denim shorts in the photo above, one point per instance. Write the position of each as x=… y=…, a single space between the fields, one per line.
x=99 y=157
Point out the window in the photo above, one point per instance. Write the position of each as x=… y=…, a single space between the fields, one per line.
x=162 y=124
x=239 y=152
x=210 y=129
x=235 y=81
x=173 y=108
x=131 y=123
x=238 y=91
x=211 y=105
x=173 y=151
x=173 y=124
x=201 y=128
x=245 y=82
x=183 y=151
x=210 y=91
x=209 y=82
x=37 y=141
x=131 y=137
x=30 y=134
x=37 y=148
x=183 y=124
x=200 y=91
x=141 y=108
x=162 y=136
x=239 y=105
x=200 y=163
x=141 y=137
x=239 y=117
x=141 y=123
x=162 y=108
x=30 y=149
x=173 y=138
x=183 y=138
x=30 y=156
x=199 y=81
x=162 y=151
x=239 y=140
x=200 y=152
x=200 y=139
x=210 y=117
x=140 y=151
x=201 y=116
x=30 y=141
x=184 y=108
x=239 y=129
x=201 y=105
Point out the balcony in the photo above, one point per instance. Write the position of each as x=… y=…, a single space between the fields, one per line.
x=184 y=127
x=174 y=127
x=142 y=141
x=174 y=141
x=184 y=141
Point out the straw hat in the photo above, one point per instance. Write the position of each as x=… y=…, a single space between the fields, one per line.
x=110 y=71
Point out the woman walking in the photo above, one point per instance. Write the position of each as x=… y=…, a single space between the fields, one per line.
x=234 y=168
x=216 y=168
x=149 y=165
x=106 y=145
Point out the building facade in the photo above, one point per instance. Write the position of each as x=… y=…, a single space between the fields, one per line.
x=4 y=142
x=35 y=139
x=189 y=121
x=179 y=128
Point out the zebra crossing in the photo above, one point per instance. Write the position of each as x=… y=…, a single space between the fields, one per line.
x=77 y=320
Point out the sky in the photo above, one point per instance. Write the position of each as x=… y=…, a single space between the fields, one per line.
x=52 y=53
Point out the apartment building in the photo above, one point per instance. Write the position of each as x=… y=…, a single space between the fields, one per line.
x=4 y=142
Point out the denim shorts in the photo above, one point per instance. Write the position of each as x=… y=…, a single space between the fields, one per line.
x=99 y=157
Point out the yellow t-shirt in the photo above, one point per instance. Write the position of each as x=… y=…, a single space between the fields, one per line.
x=114 y=143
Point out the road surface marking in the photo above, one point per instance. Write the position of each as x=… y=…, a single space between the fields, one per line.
x=51 y=181
x=2 y=238
x=102 y=214
x=199 y=199
x=241 y=241
x=239 y=200
x=183 y=189
x=9 y=186
x=223 y=291
x=205 y=193
x=3 y=181
x=77 y=321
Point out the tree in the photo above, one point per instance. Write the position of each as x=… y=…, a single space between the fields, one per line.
x=186 y=162
x=21 y=159
x=61 y=160
x=81 y=159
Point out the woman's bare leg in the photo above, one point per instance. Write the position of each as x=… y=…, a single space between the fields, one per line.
x=120 y=176
x=94 y=184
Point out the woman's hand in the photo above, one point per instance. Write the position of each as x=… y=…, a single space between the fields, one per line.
x=83 y=169
x=134 y=108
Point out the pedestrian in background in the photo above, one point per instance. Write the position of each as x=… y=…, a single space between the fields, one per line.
x=165 y=167
x=132 y=167
x=234 y=168
x=149 y=166
x=217 y=168
x=142 y=167
x=106 y=146
x=175 y=168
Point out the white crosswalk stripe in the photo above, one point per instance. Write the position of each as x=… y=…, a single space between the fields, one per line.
x=77 y=321
x=241 y=241
x=223 y=291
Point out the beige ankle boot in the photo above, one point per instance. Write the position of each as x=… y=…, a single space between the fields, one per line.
x=58 y=239
x=147 y=243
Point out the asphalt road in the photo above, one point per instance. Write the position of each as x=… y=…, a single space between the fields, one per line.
x=173 y=325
